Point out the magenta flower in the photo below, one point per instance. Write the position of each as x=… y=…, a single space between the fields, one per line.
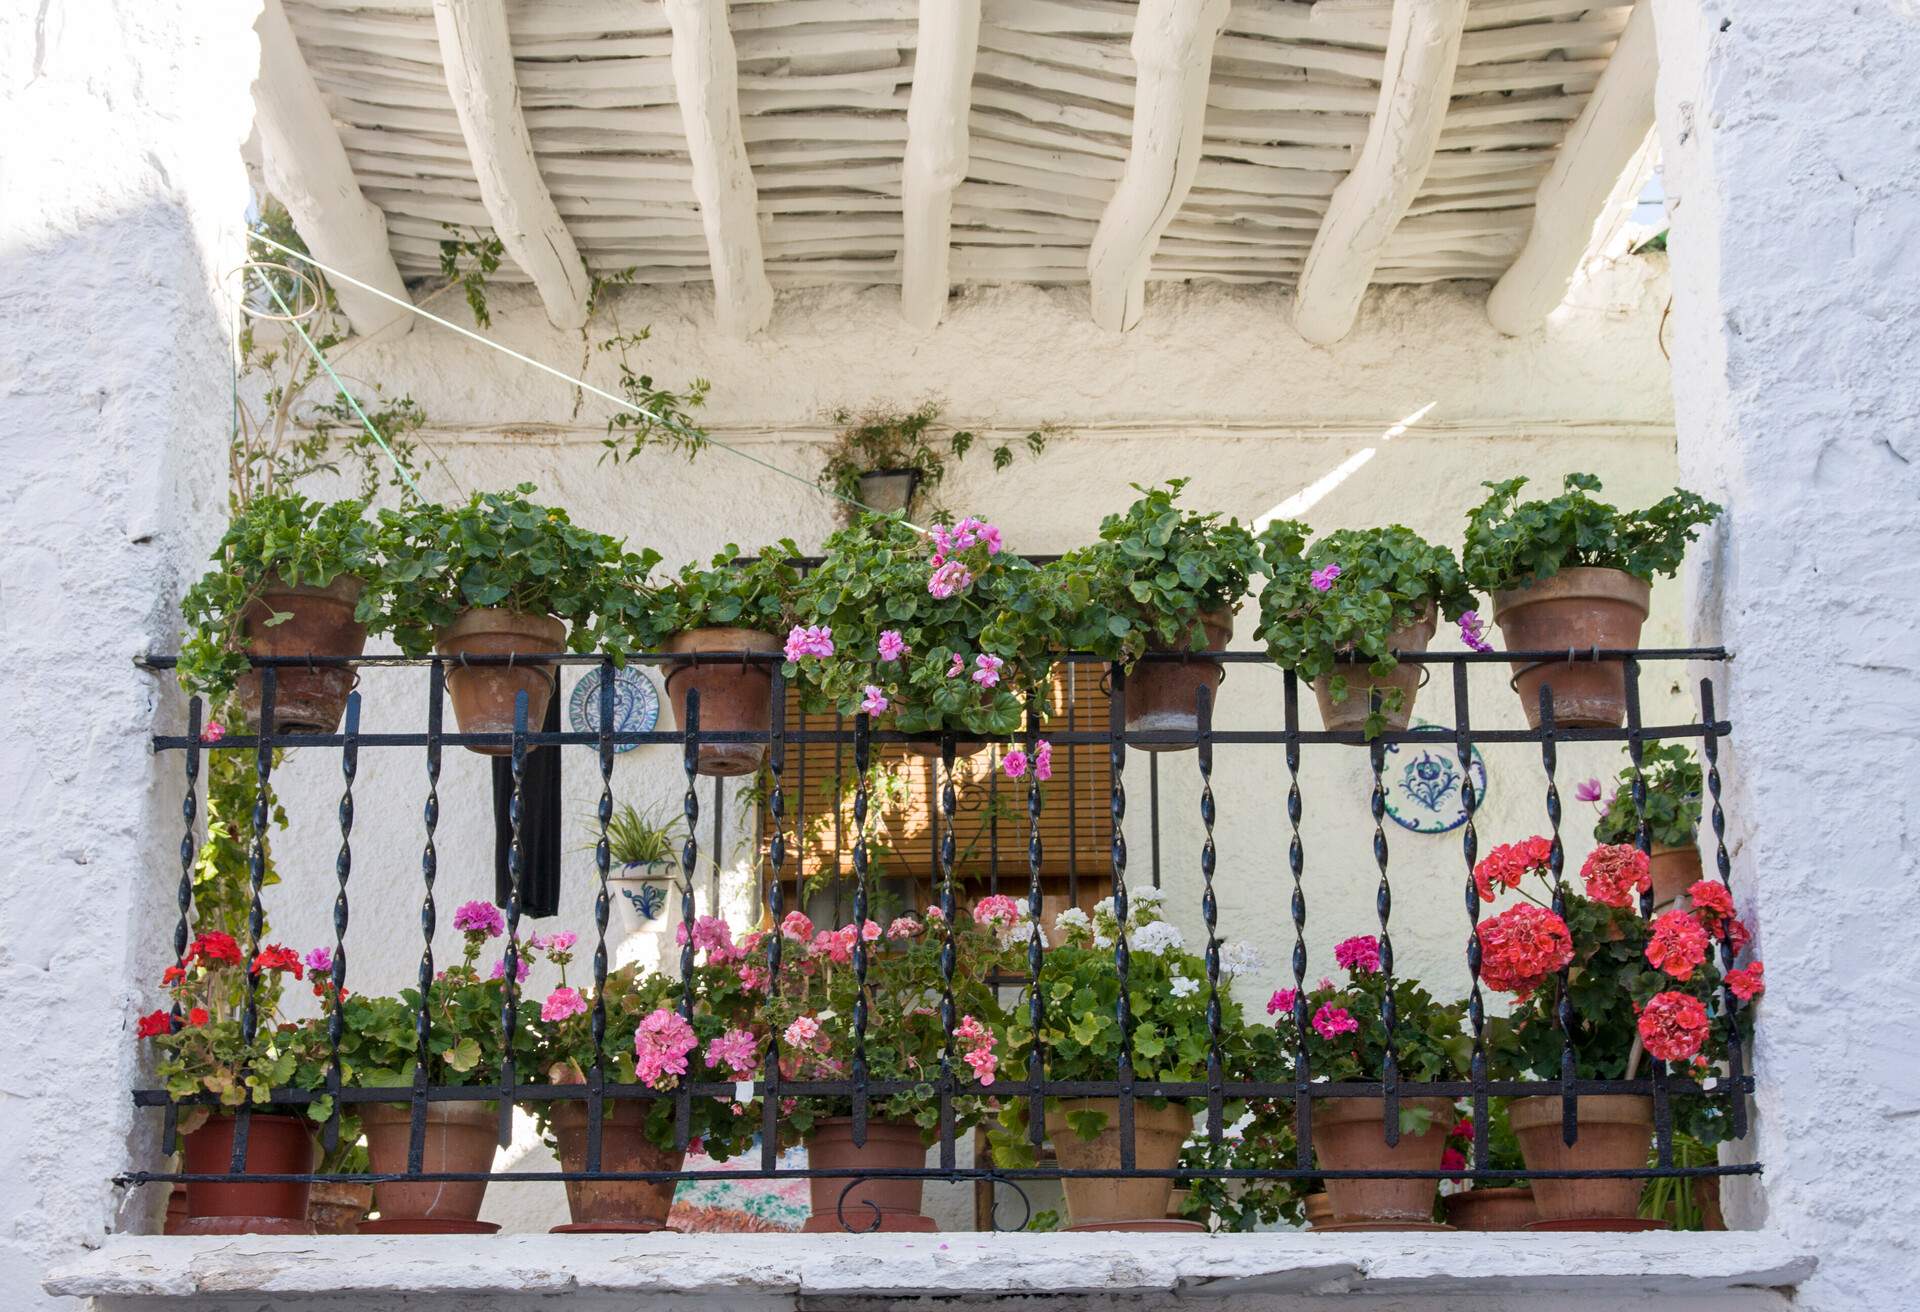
x=736 y=1050
x=1330 y=1021
x=1282 y=1000
x=562 y=1003
x=709 y=933
x=1323 y=578
x=874 y=702
x=563 y=941
x=661 y=1043
x=1014 y=763
x=1043 y=760
x=1472 y=627
x=986 y=670
x=959 y=663
x=320 y=960
x=991 y=536
x=1361 y=954
x=1587 y=790
x=480 y=918
x=950 y=578
x=892 y=645
x=214 y=732
x=522 y=967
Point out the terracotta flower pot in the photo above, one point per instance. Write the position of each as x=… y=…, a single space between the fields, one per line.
x=1491 y=1209
x=1162 y=695
x=1319 y=1209
x=607 y=1206
x=1577 y=608
x=321 y=623
x=1102 y=1203
x=735 y=697
x=1350 y=715
x=1349 y=1134
x=460 y=1137
x=1674 y=870
x=276 y=1145
x=963 y=748
x=1615 y=1131
x=895 y=1203
x=483 y=695
x=338 y=1208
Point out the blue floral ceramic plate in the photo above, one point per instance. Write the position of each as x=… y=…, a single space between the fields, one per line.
x=1423 y=785
x=636 y=704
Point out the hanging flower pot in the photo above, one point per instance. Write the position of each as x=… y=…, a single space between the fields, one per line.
x=460 y=1137
x=1615 y=1131
x=337 y=1207
x=1113 y=1203
x=1349 y=1134
x=1577 y=609
x=483 y=695
x=1162 y=696
x=889 y=491
x=735 y=696
x=614 y=1206
x=1349 y=715
x=644 y=894
x=1484 y=1209
x=276 y=1145
x=883 y=1204
x=319 y=622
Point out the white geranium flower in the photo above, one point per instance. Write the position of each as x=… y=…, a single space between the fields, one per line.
x=1072 y=919
x=1184 y=987
x=1157 y=937
x=1241 y=959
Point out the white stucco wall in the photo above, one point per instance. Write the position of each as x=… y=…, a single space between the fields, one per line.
x=123 y=201
x=1793 y=170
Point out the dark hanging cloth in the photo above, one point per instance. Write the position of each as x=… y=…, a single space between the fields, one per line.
x=539 y=824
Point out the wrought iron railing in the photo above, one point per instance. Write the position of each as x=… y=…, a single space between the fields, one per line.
x=1659 y=1083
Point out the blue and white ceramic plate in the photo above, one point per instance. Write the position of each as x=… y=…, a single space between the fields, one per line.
x=636 y=704
x=1423 y=785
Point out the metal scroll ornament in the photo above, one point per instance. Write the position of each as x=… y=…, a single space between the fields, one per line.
x=636 y=704
x=1423 y=785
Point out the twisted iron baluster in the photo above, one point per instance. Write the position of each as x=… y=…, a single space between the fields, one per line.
x=776 y=861
x=1470 y=850
x=1736 y=1060
x=862 y=726
x=1556 y=866
x=429 y=869
x=689 y=856
x=1122 y=956
x=182 y=934
x=1643 y=839
x=1036 y=944
x=1296 y=863
x=602 y=905
x=256 y=880
x=342 y=867
x=1209 y=912
x=949 y=954
x=510 y=966
x=1383 y=905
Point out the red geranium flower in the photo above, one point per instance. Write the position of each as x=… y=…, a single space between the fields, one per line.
x=1746 y=982
x=1521 y=947
x=1678 y=944
x=1738 y=936
x=1509 y=863
x=1673 y=1026
x=214 y=947
x=1712 y=903
x=1616 y=874
x=172 y=975
x=153 y=1024
x=275 y=957
x=197 y=1017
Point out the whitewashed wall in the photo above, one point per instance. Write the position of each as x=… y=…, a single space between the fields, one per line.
x=1211 y=387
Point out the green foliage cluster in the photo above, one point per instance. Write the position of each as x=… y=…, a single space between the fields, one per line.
x=879 y=438
x=1674 y=789
x=732 y=592
x=1511 y=543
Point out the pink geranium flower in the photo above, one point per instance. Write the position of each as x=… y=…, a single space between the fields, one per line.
x=562 y=1003
x=1471 y=629
x=804 y=1032
x=214 y=732
x=1014 y=763
x=948 y=579
x=986 y=669
x=1330 y=1021
x=797 y=926
x=874 y=702
x=903 y=927
x=736 y=1051
x=1360 y=954
x=1282 y=1000
x=661 y=1043
x=892 y=645
x=1323 y=578
x=480 y=918
x=1043 y=760
x=809 y=640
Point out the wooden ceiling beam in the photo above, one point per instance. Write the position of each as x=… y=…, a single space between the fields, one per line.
x=938 y=140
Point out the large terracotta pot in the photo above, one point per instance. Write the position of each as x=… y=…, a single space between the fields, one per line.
x=1162 y=695
x=891 y=1202
x=1491 y=1209
x=337 y=1207
x=276 y=1145
x=1674 y=870
x=1113 y=1203
x=321 y=623
x=461 y=1136
x=735 y=696
x=1578 y=608
x=483 y=695
x=1350 y=715
x=631 y=1206
x=1349 y=1134
x=1615 y=1131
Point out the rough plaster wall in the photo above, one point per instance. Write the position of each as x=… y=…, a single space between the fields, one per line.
x=123 y=198
x=1278 y=423
x=1794 y=186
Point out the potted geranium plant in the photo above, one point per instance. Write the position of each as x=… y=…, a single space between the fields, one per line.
x=502 y=576
x=734 y=605
x=882 y=459
x=1161 y=580
x=201 y=1049
x=1081 y=1041
x=1346 y=1041
x=1488 y=1204
x=1236 y=1205
x=289 y=579
x=813 y=1011
x=943 y=633
x=1361 y=595
x=1575 y=573
x=1674 y=786
x=1630 y=986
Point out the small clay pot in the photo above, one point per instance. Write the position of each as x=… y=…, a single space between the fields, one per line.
x=461 y=1136
x=1579 y=608
x=1615 y=1130
x=276 y=1145
x=963 y=748
x=1480 y=1208
x=611 y=1206
x=1350 y=715
x=1319 y=1210
x=887 y=1204
x=1114 y=1203
x=1349 y=1134
x=1162 y=696
x=735 y=696
x=320 y=623
x=1674 y=870
x=483 y=695
x=338 y=1207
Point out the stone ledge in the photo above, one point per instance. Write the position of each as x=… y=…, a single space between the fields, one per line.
x=795 y=1271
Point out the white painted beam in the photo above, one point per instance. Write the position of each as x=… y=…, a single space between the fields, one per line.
x=936 y=158
x=706 y=76
x=1423 y=46
x=308 y=172
x=478 y=56
x=1573 y=196
x=1173 y=57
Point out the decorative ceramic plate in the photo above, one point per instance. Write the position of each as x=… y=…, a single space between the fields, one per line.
x=636 y=704
x=1423 y=785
